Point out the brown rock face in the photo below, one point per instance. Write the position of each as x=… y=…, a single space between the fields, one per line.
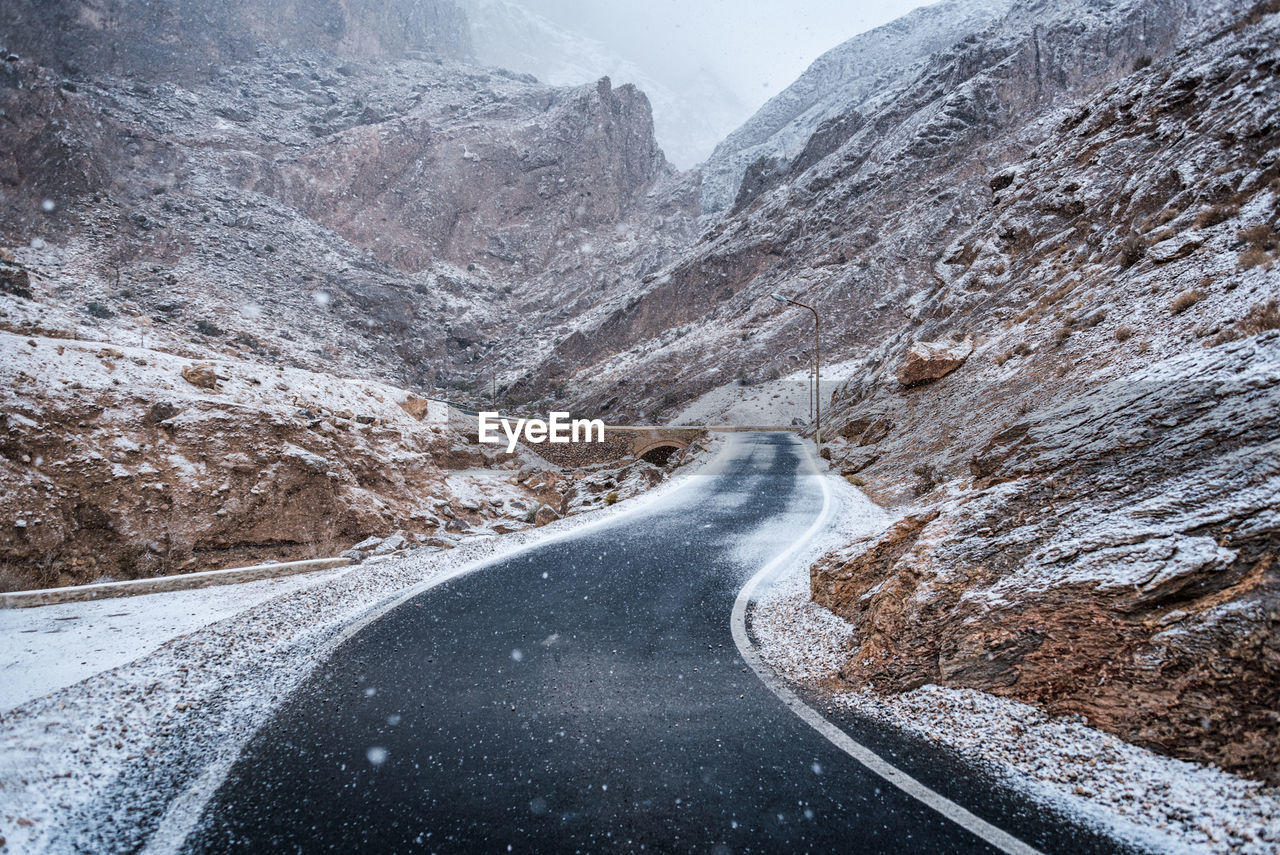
x=545 y=514
x=932 y=360
x=1115 y=556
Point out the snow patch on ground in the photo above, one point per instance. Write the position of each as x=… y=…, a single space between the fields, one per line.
x=771 y=403
x=1138 y=796
x=51 y=647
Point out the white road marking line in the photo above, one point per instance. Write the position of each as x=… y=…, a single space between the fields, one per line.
x=977 y=826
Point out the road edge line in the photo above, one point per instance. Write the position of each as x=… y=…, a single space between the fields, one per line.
x=991 y=834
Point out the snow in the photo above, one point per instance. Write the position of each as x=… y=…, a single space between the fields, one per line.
x=93 y=366
x=1140 y=797
x=52 y=647
x=1143 y=798
x=773 y=403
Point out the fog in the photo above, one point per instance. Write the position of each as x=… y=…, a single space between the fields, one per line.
x=707 y=66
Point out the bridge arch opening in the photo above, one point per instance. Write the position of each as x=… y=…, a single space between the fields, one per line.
x=659 y=453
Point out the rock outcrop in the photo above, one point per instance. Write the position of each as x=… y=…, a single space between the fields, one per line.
x=931 y=360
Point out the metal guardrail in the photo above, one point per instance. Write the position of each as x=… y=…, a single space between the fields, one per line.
x=158 y=584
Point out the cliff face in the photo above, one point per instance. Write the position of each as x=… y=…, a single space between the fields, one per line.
x=1091 y=496
x=862 y=228
x=437 y=187
x=692 y=108
x=383 y=218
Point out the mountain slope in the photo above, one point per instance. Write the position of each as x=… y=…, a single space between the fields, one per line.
x=378 y=222
x=832 y=93
x=862 y=228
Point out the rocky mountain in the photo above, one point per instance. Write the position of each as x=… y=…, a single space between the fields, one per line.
x=377 y=215
x=382 y=219
x=828 y=101
x=188 y=39
x=1042 y=239
x=862 y=225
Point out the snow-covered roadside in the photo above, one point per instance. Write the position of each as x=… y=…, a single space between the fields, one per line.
x=769 y=402
x=50 y=647
x=1133 y=794
x=95 y=765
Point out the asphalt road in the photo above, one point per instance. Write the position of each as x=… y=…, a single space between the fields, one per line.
x=584 y=696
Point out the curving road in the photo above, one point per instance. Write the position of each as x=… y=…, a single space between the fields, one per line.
x=586 y=695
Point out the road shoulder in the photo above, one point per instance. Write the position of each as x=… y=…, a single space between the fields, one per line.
x=1111 y=789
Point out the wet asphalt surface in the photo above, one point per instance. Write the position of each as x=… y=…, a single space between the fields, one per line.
x=586 y=696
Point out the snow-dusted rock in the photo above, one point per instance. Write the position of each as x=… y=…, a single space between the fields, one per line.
x=839 y=83
x=1109 y=559
x=1175 y=247
x=391 y=544
x=930 y=360
x=202 y=375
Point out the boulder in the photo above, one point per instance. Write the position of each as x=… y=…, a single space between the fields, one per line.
x=545 y=514
x=392 y=544
x=929 y=360
x=161 y=411
x=202 y=375
x=857 y=460
x=1176 y=247
x=415 y=406
x=15 y=281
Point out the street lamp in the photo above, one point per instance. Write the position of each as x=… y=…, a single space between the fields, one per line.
x=817 y=361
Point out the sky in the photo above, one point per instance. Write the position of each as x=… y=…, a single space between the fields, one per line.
x=755 y=47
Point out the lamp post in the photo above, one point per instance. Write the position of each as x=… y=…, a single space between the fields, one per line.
x=810 y=372
x=817 y=361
